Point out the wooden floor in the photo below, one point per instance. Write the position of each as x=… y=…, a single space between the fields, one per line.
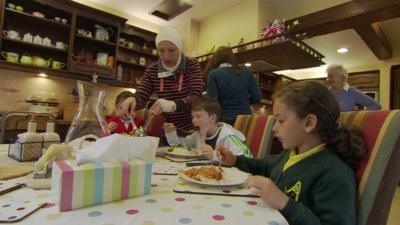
x=394 y=215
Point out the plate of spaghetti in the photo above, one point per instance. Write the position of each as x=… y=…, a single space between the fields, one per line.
x=213 y=176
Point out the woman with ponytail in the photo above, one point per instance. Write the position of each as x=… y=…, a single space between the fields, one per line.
x=313 y=181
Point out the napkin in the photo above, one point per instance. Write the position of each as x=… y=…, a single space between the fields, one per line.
x=118 y=147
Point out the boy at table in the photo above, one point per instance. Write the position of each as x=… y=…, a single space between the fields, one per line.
x=313 y=181
x=210 y=132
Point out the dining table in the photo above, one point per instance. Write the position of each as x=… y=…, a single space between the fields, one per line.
x=164 y=205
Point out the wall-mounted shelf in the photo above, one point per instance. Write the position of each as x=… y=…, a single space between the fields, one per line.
x=31 y=44
x=131 y=63
x=280 y=55
x=94 y=40
x=29 y=18
x=137 y=51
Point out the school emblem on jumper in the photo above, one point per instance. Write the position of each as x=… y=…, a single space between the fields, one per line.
x=294 y=191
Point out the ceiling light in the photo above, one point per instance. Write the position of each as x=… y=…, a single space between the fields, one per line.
x=247 y=64
x=42 y=75
x=342 y=50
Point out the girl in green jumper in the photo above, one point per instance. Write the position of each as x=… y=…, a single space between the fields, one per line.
x=313 y=180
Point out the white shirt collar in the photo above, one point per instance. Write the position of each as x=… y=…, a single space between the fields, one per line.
x=225 y=65
x=346 y=86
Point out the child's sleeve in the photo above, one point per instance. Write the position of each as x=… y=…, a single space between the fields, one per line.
x=233 y=143
x=257 y=166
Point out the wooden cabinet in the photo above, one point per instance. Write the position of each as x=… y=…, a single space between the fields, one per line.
x=94 y=47
x=30 y=36
x=364 y=81
x=83 y=41
x=136 y=50
x=269 y=83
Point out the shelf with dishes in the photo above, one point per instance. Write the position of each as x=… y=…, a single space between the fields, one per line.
x=131 y=63
x=37 y=17
x=38 y=66
x=67 y=39
x=58 y=46
x=132 y=49
x=94 y=40
x=91 y=69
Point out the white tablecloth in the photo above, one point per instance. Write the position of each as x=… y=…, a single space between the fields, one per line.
x=161 y=207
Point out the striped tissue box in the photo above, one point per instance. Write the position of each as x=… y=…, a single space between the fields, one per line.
x=96 y=183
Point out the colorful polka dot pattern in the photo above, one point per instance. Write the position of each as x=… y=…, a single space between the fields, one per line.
x=199 y=209
x=165 y=168
x=12 y=210
x=132 y=211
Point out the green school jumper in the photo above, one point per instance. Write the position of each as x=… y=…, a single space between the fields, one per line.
x=321 y=187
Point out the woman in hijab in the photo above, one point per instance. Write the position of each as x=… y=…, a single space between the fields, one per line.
x=175 y=78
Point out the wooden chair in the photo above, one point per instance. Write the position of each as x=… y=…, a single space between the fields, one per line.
x=258 y=132
x=379 y=173
x=13 y=123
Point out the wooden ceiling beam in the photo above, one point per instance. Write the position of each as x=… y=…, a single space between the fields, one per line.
x=346 y=16
x=374 y=37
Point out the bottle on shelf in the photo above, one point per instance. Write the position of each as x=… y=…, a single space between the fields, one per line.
x=50 y=136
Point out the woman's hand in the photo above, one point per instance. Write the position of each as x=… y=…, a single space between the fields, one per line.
x=112 y=126
x=162 y=105
x=227 y=156
x=169 y=127
x=127 y=107
x=268 y=191
x=206 y=150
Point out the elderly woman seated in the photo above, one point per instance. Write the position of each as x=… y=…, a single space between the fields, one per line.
x=349 y=98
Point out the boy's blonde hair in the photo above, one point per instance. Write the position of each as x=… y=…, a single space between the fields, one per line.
x=208 y=104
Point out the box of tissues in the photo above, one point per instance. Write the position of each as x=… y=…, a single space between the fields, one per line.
x=112 y=168
x=95 y=183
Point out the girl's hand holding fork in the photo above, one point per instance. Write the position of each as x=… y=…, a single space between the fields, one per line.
x=227 y=157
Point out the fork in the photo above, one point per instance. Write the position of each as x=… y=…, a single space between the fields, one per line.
x=220 y=162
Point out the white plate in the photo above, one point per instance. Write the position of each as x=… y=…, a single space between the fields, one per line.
x=182 y=152
x=231 y=177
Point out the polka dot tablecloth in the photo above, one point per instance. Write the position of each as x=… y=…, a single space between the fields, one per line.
x=162 y=206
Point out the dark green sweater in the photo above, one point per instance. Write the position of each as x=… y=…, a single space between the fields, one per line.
x=321 y=187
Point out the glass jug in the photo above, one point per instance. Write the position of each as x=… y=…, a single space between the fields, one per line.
x=89 y=118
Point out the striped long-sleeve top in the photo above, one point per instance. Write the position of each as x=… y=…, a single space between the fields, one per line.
x=183 y=92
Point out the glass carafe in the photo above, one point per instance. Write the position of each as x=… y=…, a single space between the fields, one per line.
x=89 y=118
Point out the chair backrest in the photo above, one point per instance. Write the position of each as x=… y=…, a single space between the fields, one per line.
x=258 y=132
x=13 y=123
x=379 y=173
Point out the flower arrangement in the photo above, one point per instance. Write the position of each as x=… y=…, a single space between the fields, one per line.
x=275 y=28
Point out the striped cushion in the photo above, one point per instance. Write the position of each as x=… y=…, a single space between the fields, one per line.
x=258 y=132
x=381 y=130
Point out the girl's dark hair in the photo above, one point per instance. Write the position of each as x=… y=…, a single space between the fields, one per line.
x=122 y=96
x=222 y=55
x=310 y=97
x=208 y=104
